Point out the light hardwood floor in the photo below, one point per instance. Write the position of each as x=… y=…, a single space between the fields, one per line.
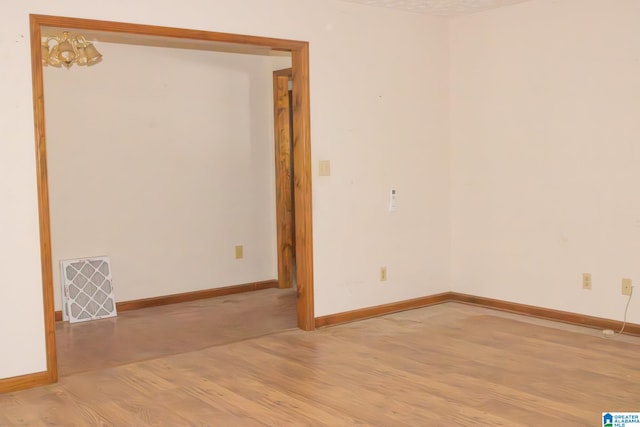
x=155 y=332
x=450 y=364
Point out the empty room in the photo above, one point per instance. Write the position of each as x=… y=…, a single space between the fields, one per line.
x=467 y=234
x=179 y=171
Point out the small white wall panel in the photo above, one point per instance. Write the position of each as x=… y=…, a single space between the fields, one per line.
x=87 y=289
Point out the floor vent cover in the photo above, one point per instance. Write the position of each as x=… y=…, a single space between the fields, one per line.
x=87 y=289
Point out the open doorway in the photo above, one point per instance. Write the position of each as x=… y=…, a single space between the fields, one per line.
x=301 y=150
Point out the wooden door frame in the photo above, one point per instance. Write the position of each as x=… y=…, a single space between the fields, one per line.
x=301 y=157
x=282 y=150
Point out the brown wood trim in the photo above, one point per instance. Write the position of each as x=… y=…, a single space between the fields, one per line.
x=283 y=163
x=511 y=307
x=302 y=152
x=380 y=310
x=22 y=382
x=285 y=72
x=155 y=30
x=302 y=187
x=43 y=201
x=189 y=296
x=546 y=313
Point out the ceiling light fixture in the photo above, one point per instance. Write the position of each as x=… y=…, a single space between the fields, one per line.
x=67 y=50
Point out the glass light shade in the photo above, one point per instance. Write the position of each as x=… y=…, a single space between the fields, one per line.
x=45 y=54
x=82 y=59
x=67 y=50
x=93 y=56
x=67 y=54
x=53 y=57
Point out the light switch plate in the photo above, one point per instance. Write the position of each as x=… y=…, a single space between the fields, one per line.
x=324 y=168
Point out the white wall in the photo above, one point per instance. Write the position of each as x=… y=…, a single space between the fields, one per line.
x=379 y=113
x=545 y=101
x=163 y=160
x=379 y=82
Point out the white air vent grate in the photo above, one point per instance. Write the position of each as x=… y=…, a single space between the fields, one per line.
x=87 y=289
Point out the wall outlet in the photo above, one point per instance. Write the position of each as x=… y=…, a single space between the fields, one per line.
x=239 y=252
x=626 y=286
x=586 y=280
x=383 y=274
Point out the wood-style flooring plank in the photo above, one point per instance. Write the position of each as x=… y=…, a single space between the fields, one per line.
x=449 y=364
x=154 y=332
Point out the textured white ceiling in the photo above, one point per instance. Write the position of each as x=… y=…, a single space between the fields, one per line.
x=439 y=7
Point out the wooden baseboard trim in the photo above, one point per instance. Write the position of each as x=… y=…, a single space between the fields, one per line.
x=24 y=382
x=379 y=310
x=511 y=307
x=546 y=313
x=188 y=296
